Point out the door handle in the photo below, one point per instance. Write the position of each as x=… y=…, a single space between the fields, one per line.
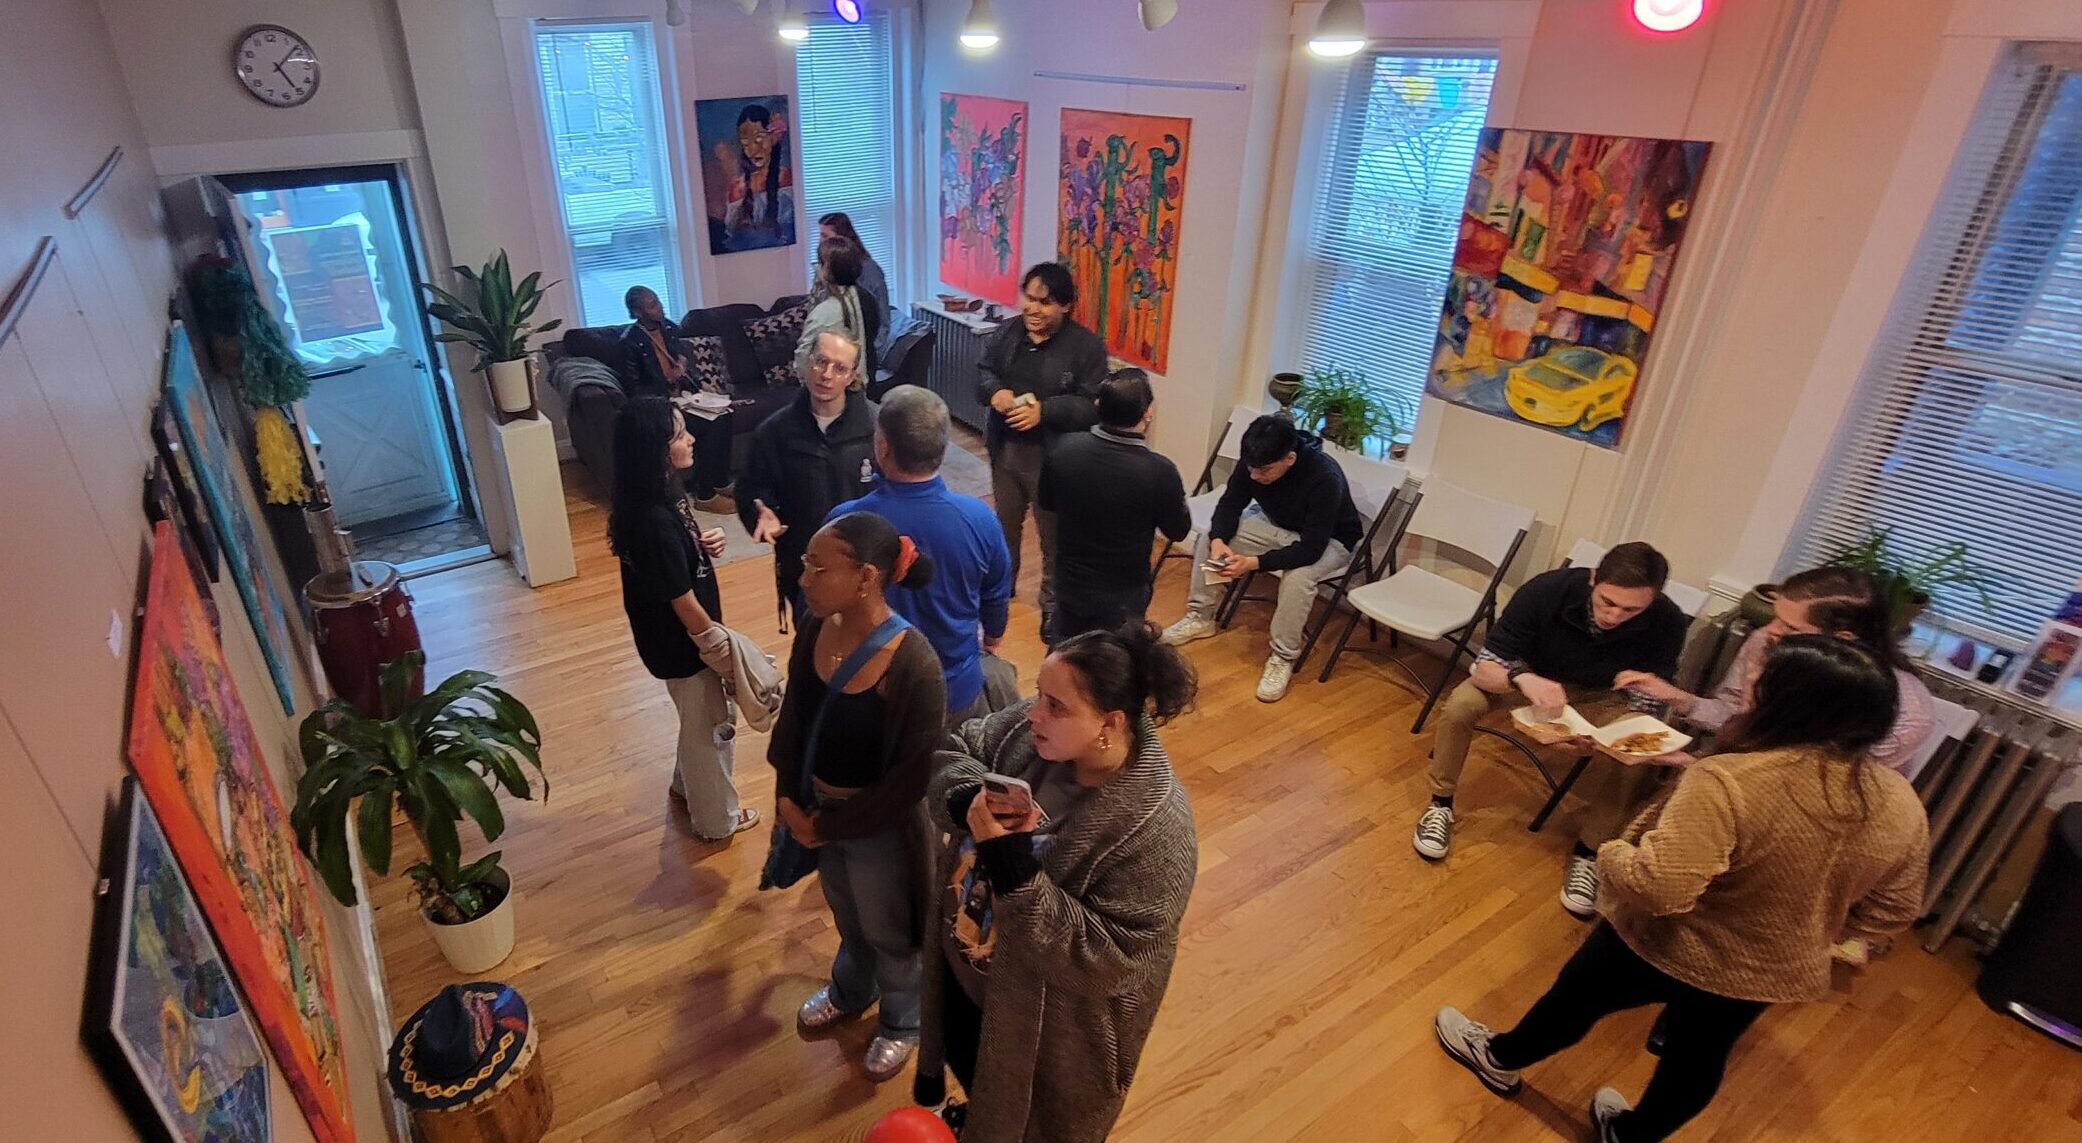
x=325 y=373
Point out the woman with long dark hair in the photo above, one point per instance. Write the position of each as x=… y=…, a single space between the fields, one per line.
x=669 y=594
x=837 y=302
x=1727 y=896
x=874 y=284
x=1072 y=857
x=864 y=711
x=762 y=197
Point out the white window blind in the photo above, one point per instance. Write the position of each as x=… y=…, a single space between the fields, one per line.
x=844 y=74
x=1967 y=426
x=607 y=148
x=1387 y=204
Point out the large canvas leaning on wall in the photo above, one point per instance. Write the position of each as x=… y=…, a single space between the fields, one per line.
x=199 y=764
x=747 y=175
x=1566 y=250
x=983 y=164
x=1121 y=188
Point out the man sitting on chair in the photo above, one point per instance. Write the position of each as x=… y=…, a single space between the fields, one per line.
x=1565 y=638
x=1303 y=523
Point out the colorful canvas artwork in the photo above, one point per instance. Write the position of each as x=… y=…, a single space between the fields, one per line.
x=164 y=1018
x=199 y=764
x=747 y=177
x=1121 y=191
x=1566 y=249
x=983 y=163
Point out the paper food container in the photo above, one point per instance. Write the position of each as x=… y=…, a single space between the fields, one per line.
x=1608 y=737
x=1542 y=730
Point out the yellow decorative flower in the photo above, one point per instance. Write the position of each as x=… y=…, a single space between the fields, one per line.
x=281 y=457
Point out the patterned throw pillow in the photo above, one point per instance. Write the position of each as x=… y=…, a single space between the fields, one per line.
x=774 y=336
x=706 y=366
x=781 y=375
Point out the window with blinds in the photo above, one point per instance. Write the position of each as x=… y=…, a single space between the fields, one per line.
x=1387 y=201
x=607 y=148
x=1967 y=425
x=845 y=77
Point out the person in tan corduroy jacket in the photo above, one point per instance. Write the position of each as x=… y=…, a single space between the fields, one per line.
x=1725 y=897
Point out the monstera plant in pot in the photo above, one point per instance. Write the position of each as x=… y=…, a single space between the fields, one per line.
x=435 y=760
x=492 y=315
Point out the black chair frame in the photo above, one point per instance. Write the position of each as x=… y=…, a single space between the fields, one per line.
x=1362 y=563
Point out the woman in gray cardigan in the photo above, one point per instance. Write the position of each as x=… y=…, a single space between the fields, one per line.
x=1058 y=911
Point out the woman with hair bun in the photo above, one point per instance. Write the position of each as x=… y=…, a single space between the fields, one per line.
x=1070 y=860
x=852 y=752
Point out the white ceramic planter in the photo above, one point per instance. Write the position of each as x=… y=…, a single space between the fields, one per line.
x=475 y=946
x=512 y=390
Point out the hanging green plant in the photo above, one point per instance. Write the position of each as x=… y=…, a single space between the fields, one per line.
x=245 y=339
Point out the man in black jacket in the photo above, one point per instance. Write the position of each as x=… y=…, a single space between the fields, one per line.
x=654 y=364
x=1303 y=524
x=808 y=458
x=1110 y=494
x=1040 y=375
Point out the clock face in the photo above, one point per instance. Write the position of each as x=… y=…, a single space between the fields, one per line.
x=276 y=65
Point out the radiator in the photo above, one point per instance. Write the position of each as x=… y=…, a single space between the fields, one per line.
x=957 y=348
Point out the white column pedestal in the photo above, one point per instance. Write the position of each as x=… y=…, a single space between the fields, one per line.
x=526 y=454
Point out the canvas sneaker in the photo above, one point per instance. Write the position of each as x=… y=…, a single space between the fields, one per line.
x=1605 y=1109
x=1275 y=678
x=1190 y=628
x=1468 y=1042
x=1579 y=891
x=1434 y=832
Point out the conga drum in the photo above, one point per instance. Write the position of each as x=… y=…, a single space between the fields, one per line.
x=362 y=618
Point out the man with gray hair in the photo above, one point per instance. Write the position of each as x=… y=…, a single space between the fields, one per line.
x=963 y=609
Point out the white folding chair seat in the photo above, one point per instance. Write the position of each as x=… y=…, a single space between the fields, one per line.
x=1418 y=602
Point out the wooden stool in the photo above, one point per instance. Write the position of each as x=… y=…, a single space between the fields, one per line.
x=515 y=1110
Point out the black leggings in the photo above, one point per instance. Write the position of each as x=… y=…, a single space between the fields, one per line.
x=961 y=1027
x=1605 y=976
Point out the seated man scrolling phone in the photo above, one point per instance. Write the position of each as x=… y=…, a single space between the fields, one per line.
x=1568 y=636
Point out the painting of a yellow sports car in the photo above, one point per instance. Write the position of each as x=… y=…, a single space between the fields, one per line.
x=1575 y=385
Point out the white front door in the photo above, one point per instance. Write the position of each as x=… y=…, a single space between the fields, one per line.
x=330 y=262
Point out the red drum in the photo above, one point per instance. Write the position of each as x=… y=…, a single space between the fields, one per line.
x=363 y=619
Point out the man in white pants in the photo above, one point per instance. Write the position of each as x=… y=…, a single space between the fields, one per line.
x=1300 y=522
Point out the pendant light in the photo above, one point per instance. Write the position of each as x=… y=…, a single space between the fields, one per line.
x=794 y=28
x=847 y=10
x=1340 y=29
x=1156 y=13
x=979 y=32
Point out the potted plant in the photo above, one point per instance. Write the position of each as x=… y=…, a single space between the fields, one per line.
x=438 y=758
x=1907 y=583
x=1348 y=413
x=492 y=316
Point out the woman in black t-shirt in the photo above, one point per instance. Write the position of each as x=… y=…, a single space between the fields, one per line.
x=669 y=594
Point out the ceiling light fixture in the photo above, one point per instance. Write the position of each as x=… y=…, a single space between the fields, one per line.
x=847 y=10
x=1157 y=13
x=1668 y=15
x=1340 y=29
x=979 y=32
x=794 y=28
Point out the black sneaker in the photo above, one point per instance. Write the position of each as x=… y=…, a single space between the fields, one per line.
x=955 y=1116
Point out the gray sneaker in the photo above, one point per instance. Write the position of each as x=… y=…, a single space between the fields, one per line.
x=1468 y=1042
x=1579 y=892
x=886 y=1057
x=1605 y=1109
x=1434 y=835
x=1190 y=628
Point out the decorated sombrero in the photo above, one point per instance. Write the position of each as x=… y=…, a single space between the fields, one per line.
x=458 y=1045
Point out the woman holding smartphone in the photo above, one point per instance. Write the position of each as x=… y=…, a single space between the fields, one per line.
x=1071 y=858
x=865 y=709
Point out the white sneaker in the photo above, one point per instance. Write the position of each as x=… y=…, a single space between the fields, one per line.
x=1579 y=891
x=1190 y=628
x=1468 y=1042
x=1273 y=680
x=1434 y=832
x=1605 y=1108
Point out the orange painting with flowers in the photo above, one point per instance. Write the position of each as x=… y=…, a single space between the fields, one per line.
x=1121 y=185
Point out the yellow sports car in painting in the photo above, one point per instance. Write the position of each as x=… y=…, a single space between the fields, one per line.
x=1573 y=385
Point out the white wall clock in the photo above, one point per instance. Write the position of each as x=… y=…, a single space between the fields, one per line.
x=275 y=65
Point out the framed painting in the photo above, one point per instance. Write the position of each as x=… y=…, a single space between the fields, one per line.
x=1120 y=201
x=196 y=520
x=747 y=175
x=1567 y=246
x=983 y=163
x=162 y=502
x=212 y=467
x=199 y=764
x=164 y=1020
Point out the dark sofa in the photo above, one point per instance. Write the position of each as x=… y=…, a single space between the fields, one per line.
x=591 y=409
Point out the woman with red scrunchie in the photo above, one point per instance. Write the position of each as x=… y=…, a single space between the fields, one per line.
x=865 y=709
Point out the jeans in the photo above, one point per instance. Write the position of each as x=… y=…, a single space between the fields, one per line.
x=1612 y=790
x=1015 y=481
x=1605 y=976
x=706 y=754
x=873 y=893
x=1255 y=536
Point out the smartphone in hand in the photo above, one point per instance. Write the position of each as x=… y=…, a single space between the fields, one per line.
x=1007 y=798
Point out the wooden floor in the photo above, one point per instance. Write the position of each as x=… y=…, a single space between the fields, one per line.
x=1315 y=951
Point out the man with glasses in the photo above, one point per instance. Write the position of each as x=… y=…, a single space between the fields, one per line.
x=817 y=453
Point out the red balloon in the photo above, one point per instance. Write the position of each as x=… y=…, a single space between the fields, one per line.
x=909 y=1125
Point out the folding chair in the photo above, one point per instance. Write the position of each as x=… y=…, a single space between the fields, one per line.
x=1425 y=605
x=1376 y=487
x=1206 y=491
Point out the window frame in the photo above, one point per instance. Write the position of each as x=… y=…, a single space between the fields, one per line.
x=898 y=259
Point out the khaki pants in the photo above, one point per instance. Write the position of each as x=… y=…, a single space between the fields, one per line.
x=1612 y=791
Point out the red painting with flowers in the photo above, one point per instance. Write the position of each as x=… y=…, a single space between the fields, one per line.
x=1121 y=188
x=983 y=168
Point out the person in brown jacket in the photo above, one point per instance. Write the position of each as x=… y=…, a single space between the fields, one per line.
x=1726 y=897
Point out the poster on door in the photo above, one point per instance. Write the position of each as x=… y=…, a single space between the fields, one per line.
x=327 y=279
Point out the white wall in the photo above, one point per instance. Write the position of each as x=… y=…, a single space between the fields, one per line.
x=77 y=380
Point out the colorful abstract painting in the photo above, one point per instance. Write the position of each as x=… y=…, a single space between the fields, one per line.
x=204 y=441
x=1121 y=190
x=983 y=163
x=165 y=1020
x=199 y=763
x=747 y=177
x=1566 y=249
